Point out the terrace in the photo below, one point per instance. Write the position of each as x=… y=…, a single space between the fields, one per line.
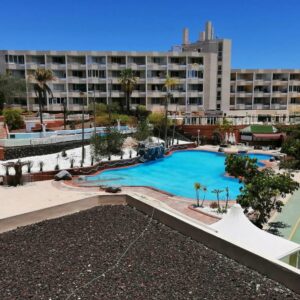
x=115 y=251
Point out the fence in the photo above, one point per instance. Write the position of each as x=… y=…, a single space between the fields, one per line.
x=52 y=139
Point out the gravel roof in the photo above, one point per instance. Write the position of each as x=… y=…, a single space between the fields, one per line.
x=51 y=259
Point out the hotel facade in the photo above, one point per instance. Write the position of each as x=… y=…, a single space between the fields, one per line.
x=207 y=86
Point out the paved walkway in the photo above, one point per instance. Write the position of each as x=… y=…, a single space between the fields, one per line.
x=44 y=194
x=288 y=220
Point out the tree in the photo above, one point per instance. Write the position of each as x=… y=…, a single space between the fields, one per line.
x=197 y=187
x=223 y=127
x=143 y=130
x=108 y=144
x=204 y=189
x=13 y=118
x=128 y=82
x=168 y=85
x=10 y=87
x=98 y=147
x=291 y=147
x=217 y=192
x=261 y=189
x=40 y=79
x=141 y=112
x=157 y=120
x=242 y=167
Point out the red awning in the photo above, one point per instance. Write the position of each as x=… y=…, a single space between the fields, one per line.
x=267 y=136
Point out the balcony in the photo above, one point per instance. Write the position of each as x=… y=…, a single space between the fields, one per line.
x=176 y=67
x=94 y=66
x=279 y=106
x=34 y=65
x=195 y=67
x=156 y=80
x=117 y=94
x=115 y=66
x=194 y=94
x=53 y=66
x=76 y=79
x=76 y=66
x=138 y=94
x=135 y=66
x=156 y=94
x=96 y=80
x=156 y=67
x=243 y=94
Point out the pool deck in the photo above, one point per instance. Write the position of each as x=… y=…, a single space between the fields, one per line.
x=44 y=194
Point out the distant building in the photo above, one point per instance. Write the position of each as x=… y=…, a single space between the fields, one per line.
x=207 y=87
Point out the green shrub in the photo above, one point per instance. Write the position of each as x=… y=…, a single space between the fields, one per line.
x=13 y=118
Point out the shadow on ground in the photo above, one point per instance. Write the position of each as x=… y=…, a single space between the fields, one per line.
x=276 y=226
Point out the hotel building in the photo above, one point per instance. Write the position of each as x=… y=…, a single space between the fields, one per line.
x=207 y=87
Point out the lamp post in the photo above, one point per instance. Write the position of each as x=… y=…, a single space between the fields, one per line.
x=94 y=108
x=82 y=132
x=64 y=103
x=198 y=136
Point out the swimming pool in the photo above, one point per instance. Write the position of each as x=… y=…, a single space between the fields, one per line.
x=177 y=174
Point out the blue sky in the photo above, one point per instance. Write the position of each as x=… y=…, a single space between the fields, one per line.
x=264 y=33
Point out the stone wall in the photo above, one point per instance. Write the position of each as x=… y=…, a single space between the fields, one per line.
x=33 y=150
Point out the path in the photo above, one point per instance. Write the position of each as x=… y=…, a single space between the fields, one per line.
x=43 y=194
x=290 y=218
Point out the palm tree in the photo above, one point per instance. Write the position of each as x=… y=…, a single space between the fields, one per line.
x=168 y=85
x=218 y=192
x=128 y=82
x=41 y=88
x=204 y=189
x=197 y=187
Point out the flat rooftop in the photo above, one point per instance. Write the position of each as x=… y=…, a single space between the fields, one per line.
x=65 y=258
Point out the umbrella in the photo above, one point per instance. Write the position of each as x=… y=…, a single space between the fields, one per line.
x=226 y=138
x=233 y=139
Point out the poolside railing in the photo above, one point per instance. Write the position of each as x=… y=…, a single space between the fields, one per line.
x=53 y=139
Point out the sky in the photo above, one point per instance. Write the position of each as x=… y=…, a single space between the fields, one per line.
x=264 y=33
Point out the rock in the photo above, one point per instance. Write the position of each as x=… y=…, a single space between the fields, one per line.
x=63 y=175
x=113 y=189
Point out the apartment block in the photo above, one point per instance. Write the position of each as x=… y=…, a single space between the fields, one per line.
x=82 y=76
x=265 y=94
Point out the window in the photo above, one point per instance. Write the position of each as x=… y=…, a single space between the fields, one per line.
x=294 y=88
x=78 y=101
x=56 y=100
x=96 y=60
x=218 y=95
x=60 y=60
x=218 y=106
x=15 y=59
x=97 y=73
x=59 y=87
x=195 y=101
x=196 y=87
x=80 y=74
x=219 y=82
x=121 y=60
x=219 y=70
x=59 y=74
x=195 y=74
x=78 y=87
x=156 y=101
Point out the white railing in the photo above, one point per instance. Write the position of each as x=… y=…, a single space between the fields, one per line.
x=53 y=139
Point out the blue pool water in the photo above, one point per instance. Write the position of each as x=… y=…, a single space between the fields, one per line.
x=177 y=174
